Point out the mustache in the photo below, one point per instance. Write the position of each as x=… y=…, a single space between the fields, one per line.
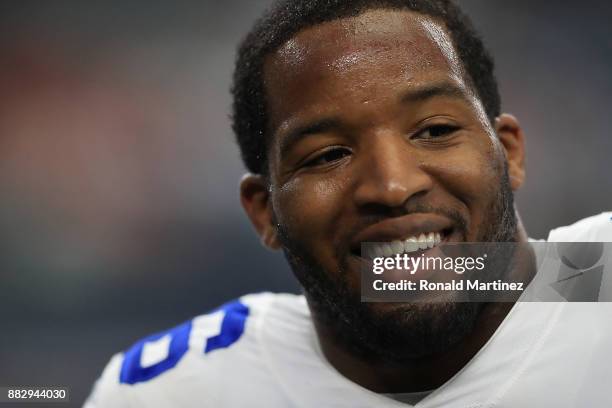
x=460 y=224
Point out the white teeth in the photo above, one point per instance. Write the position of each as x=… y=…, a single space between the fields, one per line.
x=422 y=241
x=431 y=240
x=398 y=247
x=411 y=244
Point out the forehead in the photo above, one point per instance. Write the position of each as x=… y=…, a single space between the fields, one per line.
x=367 y=56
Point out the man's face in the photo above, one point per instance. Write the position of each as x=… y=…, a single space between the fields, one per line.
x=378 y=136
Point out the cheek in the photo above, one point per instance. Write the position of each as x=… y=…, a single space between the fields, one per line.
x=310 y=208
x=472 y=174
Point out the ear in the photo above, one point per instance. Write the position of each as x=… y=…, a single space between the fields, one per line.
x=513 y=140
x=255 y=199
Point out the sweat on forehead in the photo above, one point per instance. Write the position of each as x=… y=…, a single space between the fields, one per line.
x=356 y=40
x=351 y=55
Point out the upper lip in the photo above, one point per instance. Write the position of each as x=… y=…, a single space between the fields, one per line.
x=400 y=228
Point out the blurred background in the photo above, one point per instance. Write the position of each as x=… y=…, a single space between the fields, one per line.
x=119 y=212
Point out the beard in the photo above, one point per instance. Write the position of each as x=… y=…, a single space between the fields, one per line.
x=395 y=332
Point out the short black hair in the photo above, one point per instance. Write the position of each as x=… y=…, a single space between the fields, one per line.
x=287 y=17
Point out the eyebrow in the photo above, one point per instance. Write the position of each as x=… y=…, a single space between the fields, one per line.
x=421 y=94
x=418 y=95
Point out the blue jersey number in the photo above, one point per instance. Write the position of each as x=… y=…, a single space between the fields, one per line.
x=174 y=343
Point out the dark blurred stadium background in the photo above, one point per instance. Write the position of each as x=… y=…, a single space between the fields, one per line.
x=119 y=212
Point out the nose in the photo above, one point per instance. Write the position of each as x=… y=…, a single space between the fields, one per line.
x=391 y=173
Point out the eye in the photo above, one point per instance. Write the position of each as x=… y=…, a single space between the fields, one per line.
x=436 y=131
x=327 y=157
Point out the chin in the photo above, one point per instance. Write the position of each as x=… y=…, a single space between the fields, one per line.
x=406 y=331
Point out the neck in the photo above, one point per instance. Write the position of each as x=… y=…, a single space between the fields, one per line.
x=425 y=373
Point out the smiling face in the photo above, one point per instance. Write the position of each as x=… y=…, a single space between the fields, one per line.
x=377 y=135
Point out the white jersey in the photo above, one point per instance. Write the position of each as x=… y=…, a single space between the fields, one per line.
x=262 y=351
